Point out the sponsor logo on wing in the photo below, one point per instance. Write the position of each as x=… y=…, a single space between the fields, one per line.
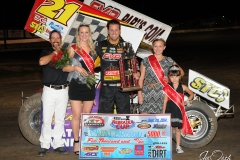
x=55 y=26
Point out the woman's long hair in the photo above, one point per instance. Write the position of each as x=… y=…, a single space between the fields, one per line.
x=90 y=41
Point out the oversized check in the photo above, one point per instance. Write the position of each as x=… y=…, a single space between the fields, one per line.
x=123 y=136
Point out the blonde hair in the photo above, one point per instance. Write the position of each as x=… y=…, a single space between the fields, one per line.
x=90 y=41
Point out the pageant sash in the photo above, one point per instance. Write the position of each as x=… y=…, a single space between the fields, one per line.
x=171 y=93
x=177 y=99
x=86 y=58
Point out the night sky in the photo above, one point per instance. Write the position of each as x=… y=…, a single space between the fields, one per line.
x=14 y=14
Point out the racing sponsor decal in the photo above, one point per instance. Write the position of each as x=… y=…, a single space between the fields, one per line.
x=139 y=140
x=158 y=147
x=119 y=50
x=125 y=150
x=37 y=27
x=143 y=124
x=153 y=134
x=107 y=150
x=112 y=57
x=160 y=143
x=116 y=133
x=41 y=19
x=159 y=126
x=151 y=27
x=139 y=149
x=157 y=152
x=55 y=26
x=112 y=11
x=111 y=73
x=58 y=10
x=208 y=88
x=104 y=140
x=122 y=123
x=157 y=120
x=93 y=148
x=91 y=154
x=94 y=122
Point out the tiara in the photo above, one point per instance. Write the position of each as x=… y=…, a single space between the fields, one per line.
x=84 y=24
x=174 y=68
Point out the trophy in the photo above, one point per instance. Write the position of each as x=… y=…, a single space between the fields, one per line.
x=128 y=66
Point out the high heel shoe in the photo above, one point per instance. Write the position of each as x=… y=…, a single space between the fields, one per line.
x=76 y=152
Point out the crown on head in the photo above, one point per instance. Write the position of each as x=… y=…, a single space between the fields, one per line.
x=174 y=68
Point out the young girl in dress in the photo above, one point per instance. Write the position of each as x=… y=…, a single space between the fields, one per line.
x=169 y=106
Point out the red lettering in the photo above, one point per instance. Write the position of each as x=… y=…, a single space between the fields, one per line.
x=122 y=126
x=153 y=134
x=111 y=56
x=114 y=12
x=91 y=140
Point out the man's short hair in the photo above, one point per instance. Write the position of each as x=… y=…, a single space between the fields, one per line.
x=113 y=21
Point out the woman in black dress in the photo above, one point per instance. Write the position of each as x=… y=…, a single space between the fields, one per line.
x=81 y=96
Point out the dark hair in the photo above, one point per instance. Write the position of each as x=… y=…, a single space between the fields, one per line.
x=113 y=21
x=54 y=31
x=174 y=70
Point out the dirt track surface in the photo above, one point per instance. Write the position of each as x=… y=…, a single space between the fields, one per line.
x=221 y=67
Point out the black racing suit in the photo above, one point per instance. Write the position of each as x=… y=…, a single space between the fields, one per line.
x=110 y=79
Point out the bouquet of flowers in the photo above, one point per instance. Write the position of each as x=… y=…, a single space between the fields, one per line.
x=89 y=80
x=61 y=60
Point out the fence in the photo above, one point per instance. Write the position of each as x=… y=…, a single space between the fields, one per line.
x=20 y=39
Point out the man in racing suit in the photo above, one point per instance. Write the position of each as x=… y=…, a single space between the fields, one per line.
x=110 y=53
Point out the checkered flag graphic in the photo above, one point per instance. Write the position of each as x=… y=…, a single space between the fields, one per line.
x=98 y=28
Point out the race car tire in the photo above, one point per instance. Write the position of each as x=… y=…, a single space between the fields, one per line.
x=204 y=124
x=29 y=118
